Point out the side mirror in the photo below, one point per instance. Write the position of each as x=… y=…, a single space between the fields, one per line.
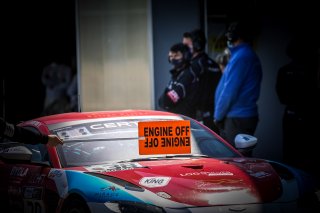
x=245 y=141
x=16 y=153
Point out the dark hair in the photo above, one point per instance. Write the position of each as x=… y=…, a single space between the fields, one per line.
x=242 y=29
x=186 y=35
x=180 y=47
x=198 y=40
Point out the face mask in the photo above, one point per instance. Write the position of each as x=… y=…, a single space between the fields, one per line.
x=229 y=44
x=177 y=63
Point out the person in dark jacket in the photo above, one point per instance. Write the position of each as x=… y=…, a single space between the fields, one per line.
x=23 y=135
x=180 y=95
x=297 y=87
x=209 y=74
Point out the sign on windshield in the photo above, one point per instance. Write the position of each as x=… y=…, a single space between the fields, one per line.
x=164 y=137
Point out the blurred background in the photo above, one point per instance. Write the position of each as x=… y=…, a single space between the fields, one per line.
x=116 y=50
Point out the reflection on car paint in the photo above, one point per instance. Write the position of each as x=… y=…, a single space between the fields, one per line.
x=113 y=167
x=221 y=173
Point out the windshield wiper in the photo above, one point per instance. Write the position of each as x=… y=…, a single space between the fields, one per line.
x=188 y=156
x=172 y=157
x=141 y=159
x=99 y=139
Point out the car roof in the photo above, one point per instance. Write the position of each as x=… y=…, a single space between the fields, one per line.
x=74 y=116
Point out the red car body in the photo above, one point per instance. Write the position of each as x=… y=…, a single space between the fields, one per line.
x=99 y=169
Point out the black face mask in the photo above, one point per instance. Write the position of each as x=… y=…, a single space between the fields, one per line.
x=177 y=63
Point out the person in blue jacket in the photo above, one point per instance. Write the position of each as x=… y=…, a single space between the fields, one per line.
x=236 y=96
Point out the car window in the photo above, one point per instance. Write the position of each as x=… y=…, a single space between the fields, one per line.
x=106 y=141
x=39 y=151
x=36 y=150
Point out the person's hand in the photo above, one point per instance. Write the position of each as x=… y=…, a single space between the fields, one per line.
x=54 y=140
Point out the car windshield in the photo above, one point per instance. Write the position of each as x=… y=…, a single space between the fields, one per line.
x=101 y=141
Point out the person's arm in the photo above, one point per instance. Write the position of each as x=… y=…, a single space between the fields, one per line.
x=164 y=101
x=23 y=135
x=232 y=83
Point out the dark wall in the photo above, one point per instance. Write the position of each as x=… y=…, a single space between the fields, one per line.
x=36 y=33
x=170 y=19
x=279 y=23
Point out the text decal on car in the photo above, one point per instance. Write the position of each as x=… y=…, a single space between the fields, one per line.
x=164 y=137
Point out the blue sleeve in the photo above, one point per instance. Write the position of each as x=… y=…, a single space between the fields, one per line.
x=229 y=88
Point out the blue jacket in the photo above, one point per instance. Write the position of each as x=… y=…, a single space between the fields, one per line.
x=239 y=86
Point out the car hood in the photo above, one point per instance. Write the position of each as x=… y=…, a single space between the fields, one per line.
x=203 y=181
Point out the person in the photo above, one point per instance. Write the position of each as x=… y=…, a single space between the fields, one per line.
x=23 y=135
x=72 y=92
x=209 y=74
x=56 y=78
x=236 y=97
x=186 y=40
x=222 y=59
x=181 y=92
x=296 y=88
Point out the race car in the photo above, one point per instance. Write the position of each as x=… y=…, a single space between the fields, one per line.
x=144 y=161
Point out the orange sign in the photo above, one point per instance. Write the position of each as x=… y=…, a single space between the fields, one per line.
x=164 y=137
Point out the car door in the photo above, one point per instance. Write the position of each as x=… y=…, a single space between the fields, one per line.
x=23 y=185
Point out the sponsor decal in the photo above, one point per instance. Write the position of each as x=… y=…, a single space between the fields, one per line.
x=55 y=173
x=32 y=193
x=164 y=137
x=214 y=184
x=113 y=167
x=73 y=133
x=19 y=171
x=226 y=181
x=105 y=195
x=36 y=179
x=173 y=95
x=163 y=195
x=221 y=173
x=107 y=192
x=94 y=128
x=28 y=193
x=153 y=182
x=60 y=179
x=111 y=188
x=110 y=125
